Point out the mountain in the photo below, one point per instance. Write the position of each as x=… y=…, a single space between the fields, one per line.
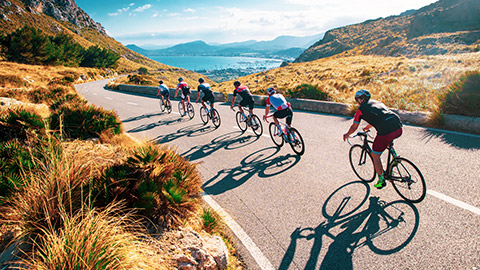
x=283 y=47
x=64 y=16
x=446 y=26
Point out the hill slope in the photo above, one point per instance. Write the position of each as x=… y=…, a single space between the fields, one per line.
x=447 y=26
x=54 y=17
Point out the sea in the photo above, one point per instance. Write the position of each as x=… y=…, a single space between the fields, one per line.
x=209 y=63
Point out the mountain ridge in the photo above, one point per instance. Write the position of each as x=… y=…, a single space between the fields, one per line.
x=446 y=26
x=284 y=47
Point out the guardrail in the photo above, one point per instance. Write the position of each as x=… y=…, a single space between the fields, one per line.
x=452 y=122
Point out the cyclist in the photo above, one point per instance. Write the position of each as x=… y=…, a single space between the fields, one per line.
x=163 y=89
x=185 y=93
x=386 y=122
x=282 y=107
x=207 y=93
x=247 y=98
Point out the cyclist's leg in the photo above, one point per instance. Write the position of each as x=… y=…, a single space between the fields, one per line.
x=380 y=143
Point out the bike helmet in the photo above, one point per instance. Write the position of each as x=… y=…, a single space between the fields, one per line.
x=180 y=79
x=201 y=80
x=362 y=94
x=160 y=82
x=271 y=91
x=236 y=83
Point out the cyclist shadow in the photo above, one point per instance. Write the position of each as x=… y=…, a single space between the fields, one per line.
x=385 y=228
x=229 y=141
x=454 y=139
x=165 y=122
x=263 y=163
x=143 y=116
x=188 y=131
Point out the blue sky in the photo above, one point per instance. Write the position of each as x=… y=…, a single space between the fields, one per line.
x=149 y=23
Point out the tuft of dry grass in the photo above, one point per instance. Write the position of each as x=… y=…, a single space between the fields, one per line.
x=93 y=239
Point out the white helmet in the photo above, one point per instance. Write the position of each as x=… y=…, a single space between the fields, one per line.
x=271 y=91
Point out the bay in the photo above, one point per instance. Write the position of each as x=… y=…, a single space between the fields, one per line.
x=202 y=63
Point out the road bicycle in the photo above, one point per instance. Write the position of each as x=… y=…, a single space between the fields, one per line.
x=283 y=133
x=166 y=105
x=246 y=119
x=406 y=178
x=189 y=106
x=212 y=113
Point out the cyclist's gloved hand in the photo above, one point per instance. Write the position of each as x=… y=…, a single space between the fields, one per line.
x=265 y=117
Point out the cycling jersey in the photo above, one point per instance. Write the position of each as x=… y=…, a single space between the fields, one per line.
x=164 y=89
x=243 y=92
x=278 y=101
x=379 y=116
x=205 y=88
x=185 y=89
x=207 y=92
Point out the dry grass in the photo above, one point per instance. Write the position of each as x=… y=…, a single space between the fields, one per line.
x=93 y=239
x=404 y=83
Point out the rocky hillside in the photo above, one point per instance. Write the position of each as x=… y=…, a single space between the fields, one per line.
x=64 y=16
x=447 y=26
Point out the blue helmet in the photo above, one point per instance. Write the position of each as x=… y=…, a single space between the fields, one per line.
x=363 y=94
x=180 y=79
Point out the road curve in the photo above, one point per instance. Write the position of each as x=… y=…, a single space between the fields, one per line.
x=311 y=212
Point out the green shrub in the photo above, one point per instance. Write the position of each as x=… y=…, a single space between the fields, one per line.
x=143 y=71
x=463 y=96
x=156 y=180
x=79 y=121
x=309 y=92
x=20 y=124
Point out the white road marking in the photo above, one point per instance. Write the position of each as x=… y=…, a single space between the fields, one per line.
x=95 y=94
x=109 y=98
x=257 y=254
x=131 y=103
x=455 y=202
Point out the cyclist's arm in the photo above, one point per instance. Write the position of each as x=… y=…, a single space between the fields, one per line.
x=267 y=110
x=233 y=102
x=367 y=127
x=158 y=92
x=351 y=130
x=198 y=94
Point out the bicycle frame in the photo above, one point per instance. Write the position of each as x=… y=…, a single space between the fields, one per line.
x=281 y=126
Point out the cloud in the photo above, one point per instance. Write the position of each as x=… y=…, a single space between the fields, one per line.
x=142 y=8
x=189 y=10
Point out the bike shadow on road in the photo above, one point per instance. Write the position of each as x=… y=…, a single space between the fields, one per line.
x=264 y=163
x=458 y=140
x=188 y=131
x=384 y=227
x=230 y=141
x=143 y=116
x=165 y=122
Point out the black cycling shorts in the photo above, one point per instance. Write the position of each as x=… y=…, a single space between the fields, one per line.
x=247 y=103
x=208 y=97
x=285 y=113
x=185 y=92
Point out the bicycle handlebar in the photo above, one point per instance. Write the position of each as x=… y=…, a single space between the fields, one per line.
x=363 y=134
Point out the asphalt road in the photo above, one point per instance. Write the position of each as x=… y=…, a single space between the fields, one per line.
x=311 y=212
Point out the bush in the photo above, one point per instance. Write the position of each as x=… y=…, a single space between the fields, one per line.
x=21 y=124
x=463 y=96
x=79 y=121
x=143 y=71
x=155 y=179
x=309 y=92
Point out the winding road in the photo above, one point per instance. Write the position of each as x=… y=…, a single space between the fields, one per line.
x=311 y=212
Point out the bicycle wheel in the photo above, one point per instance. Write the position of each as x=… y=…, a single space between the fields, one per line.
x=203 y=115
x=242 y=124
x=215 y=118
x=362 y=163
x=190 y=110
x=168 y=106
x=256 y=125
x=407 y=180
x=276 y=135
x=296 y=141
x=181 y=111
x=392 y=227
x=162 y=105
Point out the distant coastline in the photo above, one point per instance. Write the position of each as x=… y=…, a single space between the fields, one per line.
x=220 y=68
